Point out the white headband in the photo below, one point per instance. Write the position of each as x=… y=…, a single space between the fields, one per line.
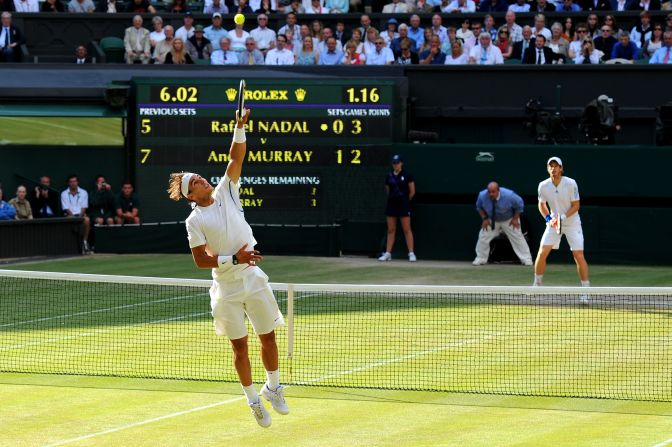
x=186 y=178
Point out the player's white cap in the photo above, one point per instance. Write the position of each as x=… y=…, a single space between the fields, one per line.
x=555 y=159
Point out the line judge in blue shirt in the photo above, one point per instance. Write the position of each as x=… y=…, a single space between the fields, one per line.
x=500 y=210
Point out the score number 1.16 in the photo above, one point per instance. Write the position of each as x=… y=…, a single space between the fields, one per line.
x=362 y=95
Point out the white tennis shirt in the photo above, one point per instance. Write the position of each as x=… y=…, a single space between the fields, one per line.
x=222 y=228
x=560 y=197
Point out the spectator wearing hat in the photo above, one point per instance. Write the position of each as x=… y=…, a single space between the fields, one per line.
x=263 y=35
x=212 y=6
x=396 y=7
x=186 y=31
x=400 y=187
x=391 y=33
x=199 y=46
x=215 y=32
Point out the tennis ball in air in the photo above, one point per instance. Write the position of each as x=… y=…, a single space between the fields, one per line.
x=239 y=19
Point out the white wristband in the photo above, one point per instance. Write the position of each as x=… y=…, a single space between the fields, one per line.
x=221 y=260
x=239 y=135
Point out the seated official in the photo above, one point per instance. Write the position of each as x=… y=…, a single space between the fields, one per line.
x=500 y=210
x=21 y=204
x=45 y=201
x=101 y=203
x=7 y=211
x=127 y=206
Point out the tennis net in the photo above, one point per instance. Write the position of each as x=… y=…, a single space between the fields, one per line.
x=501 y=340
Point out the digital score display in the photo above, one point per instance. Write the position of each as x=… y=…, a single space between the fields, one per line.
x=317 y=149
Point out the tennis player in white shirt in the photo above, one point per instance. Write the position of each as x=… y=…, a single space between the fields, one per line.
x=562 y=195
x=221 y=239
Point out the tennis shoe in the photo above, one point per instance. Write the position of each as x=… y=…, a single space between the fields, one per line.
x=276 y=398
x=585 y=300
x=260 y=413
x=528 y=262
x=479 y=262
x=385 y=257
x=412 y=257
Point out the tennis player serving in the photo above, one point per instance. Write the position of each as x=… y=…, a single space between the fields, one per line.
x=562 y=194
x=221 y=239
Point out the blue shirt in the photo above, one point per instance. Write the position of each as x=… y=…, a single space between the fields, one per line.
x=214 y=35
x=659 y=56
x=7 y=211
x=438 y=59
x=620 y=52
x=417 y=37
x=327 y=58
x=506 y=206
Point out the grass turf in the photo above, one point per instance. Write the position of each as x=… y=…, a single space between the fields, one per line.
x=41 y=410
x=58 y=131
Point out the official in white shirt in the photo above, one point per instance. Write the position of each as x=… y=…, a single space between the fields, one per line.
x=559 y=201
x=221 y=239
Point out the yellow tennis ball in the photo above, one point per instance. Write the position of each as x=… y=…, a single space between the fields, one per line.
x=239 y=19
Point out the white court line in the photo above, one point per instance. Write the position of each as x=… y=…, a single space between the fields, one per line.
x=100 y=331
x=146 y=421
x=126 y=306
x=456 y=344
x=664 y=443
x=205 y=407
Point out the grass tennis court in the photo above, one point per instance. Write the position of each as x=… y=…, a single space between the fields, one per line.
x=80 y=410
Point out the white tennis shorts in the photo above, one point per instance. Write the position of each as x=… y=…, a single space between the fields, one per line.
x=573 y=232
x=250 y=295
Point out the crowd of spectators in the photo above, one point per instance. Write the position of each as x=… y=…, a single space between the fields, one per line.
x=404 y=39
x=98 y=206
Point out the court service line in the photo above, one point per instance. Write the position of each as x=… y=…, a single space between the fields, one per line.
x=456 y=344
x=664 y=443
x=145 y=422
x=125 y=306
x=101 y=331
x=216 y=404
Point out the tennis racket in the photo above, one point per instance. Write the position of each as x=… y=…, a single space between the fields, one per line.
x=241 y=99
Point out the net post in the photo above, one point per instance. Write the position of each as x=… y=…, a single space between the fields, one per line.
x=290 y=326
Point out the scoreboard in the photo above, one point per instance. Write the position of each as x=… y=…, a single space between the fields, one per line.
x=317 y=149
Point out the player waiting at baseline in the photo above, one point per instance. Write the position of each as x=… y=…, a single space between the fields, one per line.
x=500 y=210
x=562 y=195
x=221 y=239
x=400 y=187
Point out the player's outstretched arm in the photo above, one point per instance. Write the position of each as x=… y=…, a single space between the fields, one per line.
x=238 y=148
x=204 y=260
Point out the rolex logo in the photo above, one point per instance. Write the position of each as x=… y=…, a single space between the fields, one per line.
x=300 y=94
x=231 y=94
